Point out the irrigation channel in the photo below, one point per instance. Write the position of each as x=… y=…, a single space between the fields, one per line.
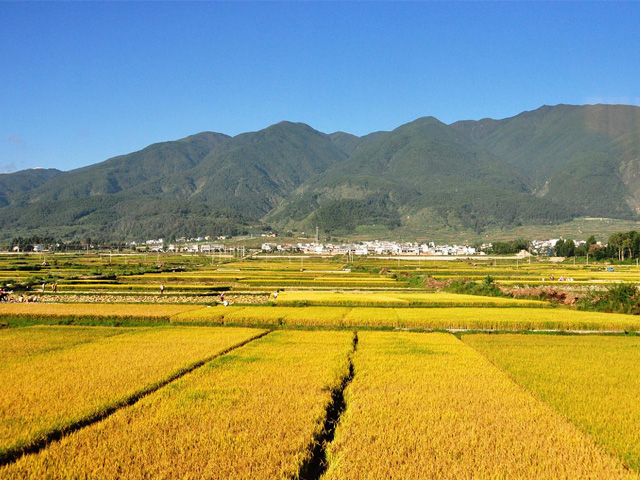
x=316 y=464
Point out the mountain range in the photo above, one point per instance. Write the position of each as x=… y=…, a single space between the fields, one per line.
x=545 y=166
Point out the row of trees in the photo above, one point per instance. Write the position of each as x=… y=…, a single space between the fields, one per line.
x=27 y=244
x=621 y=246
x=625 y=245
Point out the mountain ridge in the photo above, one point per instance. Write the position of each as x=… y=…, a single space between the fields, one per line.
x=541 y=166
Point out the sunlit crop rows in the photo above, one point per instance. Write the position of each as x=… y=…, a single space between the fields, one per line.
x=93 y=310
x=43 y=391
x=18 y=343
x=251 y=414
x=427 y=406
x=398 y=299
x=594 y=381
x=485 y=318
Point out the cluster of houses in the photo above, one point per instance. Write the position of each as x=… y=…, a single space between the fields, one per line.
x=544 y=247
x=211 y=245
x=185 y=245
x=373 y=248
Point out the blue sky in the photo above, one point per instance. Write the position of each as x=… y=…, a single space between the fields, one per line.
x=82 y=82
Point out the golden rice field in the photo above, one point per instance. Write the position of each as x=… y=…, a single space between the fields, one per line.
x=482 y=318
x=248 y=391
x=428 y=406
x=93 y=310
x=593 y=381
x=251 y=414
x=399 y=299
x=416 y=405
x=17 y=343
x=45 y=390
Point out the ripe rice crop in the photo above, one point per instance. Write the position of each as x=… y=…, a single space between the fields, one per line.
x=92 y=310
x=277 y=316
x=44 y=393
x=427 y=406
x=594 y=381
x=17 y=343
x=398 y=299
x=251 y=414
x=482 y=318
x=338 y=298
x=514 y=319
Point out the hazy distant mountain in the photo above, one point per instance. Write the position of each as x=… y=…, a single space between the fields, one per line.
x=539 y=167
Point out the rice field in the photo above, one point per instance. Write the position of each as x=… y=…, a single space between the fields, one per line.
x=444 y=318
x=593 y=381
x=250 y=414
x=428 y=406
x=46 y=390
x=276 y=387
x=18 y=343
x=91 y=310
x=416 y=405
x=399 y=299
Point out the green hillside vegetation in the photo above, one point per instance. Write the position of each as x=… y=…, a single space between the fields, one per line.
x=13 y=185
x=582 y=157
x=128 y=172
x=539 y=168
x=423 y=164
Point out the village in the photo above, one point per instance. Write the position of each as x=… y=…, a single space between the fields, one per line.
x=373 y=247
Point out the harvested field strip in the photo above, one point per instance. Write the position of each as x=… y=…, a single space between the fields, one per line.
x=250 y=414
x=428 y=406
x=481 y=318
x=593 y=381
x=45 y=395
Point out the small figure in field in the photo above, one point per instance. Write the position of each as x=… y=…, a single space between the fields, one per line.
x=3 y=296
x=275 y=294
x=222 y=297
x=161 y=289
x=44 y=285
x=55 y=287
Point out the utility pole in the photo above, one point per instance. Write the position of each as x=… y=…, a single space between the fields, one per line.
x=317 y=235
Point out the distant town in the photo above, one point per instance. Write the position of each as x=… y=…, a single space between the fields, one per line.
x=374 y=247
